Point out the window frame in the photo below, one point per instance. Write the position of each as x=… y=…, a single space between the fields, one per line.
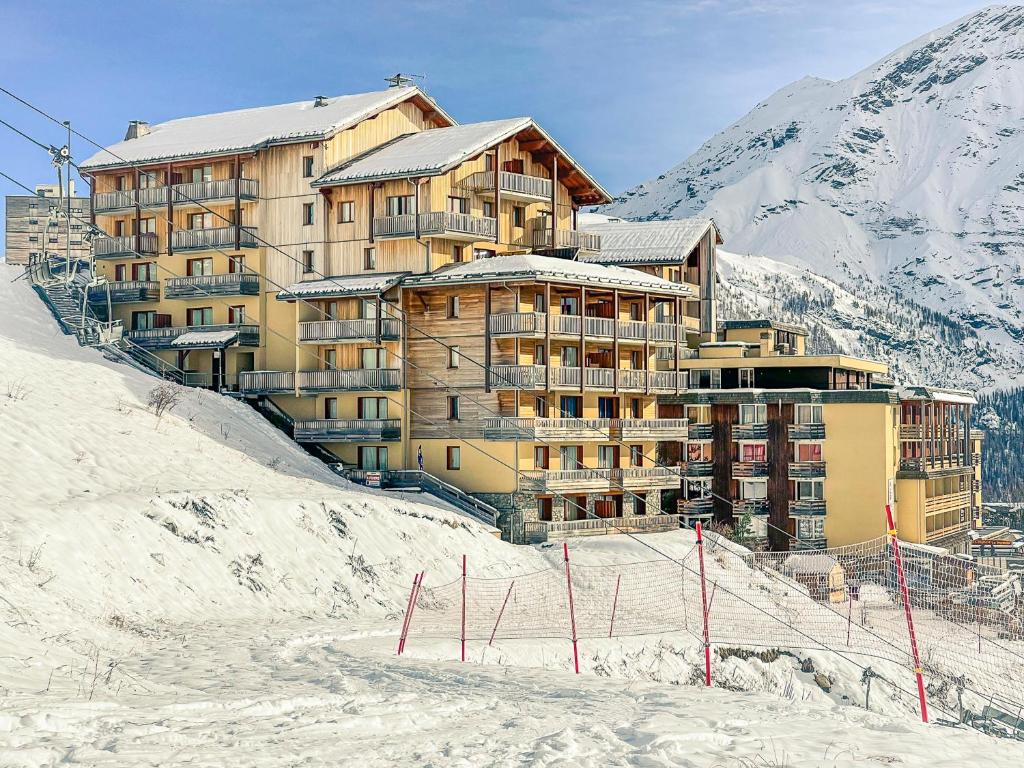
x=453 y=457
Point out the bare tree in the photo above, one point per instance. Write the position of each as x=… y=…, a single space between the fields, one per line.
x=163 y=397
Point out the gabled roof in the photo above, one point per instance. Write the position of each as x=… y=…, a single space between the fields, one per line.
x=331 y=287
x=426 y=153
x=645 y=242
x=530 y=266
x=245 y=130
x=439 y=150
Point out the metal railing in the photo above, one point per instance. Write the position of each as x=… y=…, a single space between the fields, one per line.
x=513 y=183
x=750 y=469
x=806 y=431
x=347 y=430
x=234 y=284
x=125 y=291
x=349 y=330
x=248 y=334
x=524 y=428
x=807 y=507
x=266 y=382
x=214 y=237
x=700 y=431
x=516 y=376
x=799 y=470
x=538 y=531
x=354 y=379
x=698 y=468
x=125 y=245
x=749 y=431
x=650 y=429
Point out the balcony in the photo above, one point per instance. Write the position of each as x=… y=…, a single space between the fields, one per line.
x=125 y=246
x=807 y=508
x=182 y=194
x=650 y=429
x=539 y=531
x=528 y=429
x=164 y=338
x=700 y=432
x=125 y=292
x=266 y=382
x=572 y=239
x=698 y=469
x=347 y=430
x=803 y=470
x=535 y=324
x=214 y=238
x=318 y=331
x=750 y=506
x=454 y=226
x=663 y=381
x=340 y=380
x=750 y=469
x=517 y=324
x=703 y=507
x=646 y=477
x=197 y=286
x=806 y=431
x=749 y=431
x=516 y=376
x=599 y=479
x=517 y=186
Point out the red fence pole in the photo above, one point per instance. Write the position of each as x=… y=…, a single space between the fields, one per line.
x=704 y=604
x=572 y=610
x=905 y=594
x=463 y=634
x=503 y=604
x=408 y=608
x=615 y=603
x=412 y=608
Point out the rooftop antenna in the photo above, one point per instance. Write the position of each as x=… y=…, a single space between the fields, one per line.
x=399 y=80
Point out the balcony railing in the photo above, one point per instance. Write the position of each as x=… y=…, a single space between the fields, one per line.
x=266 y=382
x=182 y=194
x=567 y=238
x=750 y=469
x=661 y=477
x=512 y=428
x=512 y=184
x=663 y=381
x=566 y=325
x=516 y=376
x=600 y=478
x=539 y=531
x=113 y=201
x=801 y=470
x=807 y=508
x=917 y=431
x=122 y=246
x=700 y=432
x=125 y=292
x=749 y=431
x=698 y=469
x=751 y=506
x=694 y=507
x=806 y=431
x=248 y=335
x=517 y=323
x=213 y=238
x=235 y=284
x=347 y=430
x=334 y=380
x=650 y=429
x=349 y=330
x=462 y=226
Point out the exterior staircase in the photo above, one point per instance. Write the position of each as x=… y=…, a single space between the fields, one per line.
x=418 y=480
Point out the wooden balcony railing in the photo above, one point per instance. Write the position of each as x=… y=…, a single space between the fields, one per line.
x=512 y=428
x=806 y=431
x=801 y=470
x=751 y=506
x=514 y=184
x=113 y=201
x=566 y=479
x=698 y=469
x=122 y=246
x=701 y=432
x=750 y=469
x=349 y=330
x=516 y=376
x=650 y=429
x=234 y=284
x=440 y=223
x=339 y=380
x=539 y=531
x=125 y=292
x=807 y=508
x=567 y=238
x=266 y=382
x=696 y=507
x=248 y=334
x=749 y=431
x=661 y=477
x=213 y=238
x=347 y=430
x=517 y=323
x=181 y=194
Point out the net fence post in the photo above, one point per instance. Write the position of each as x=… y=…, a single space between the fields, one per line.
x=408 y=610
x=615 y=603
x=462 y=634
x=894 y=545
x=704 y=605
x=412 y=608
x=572 y=610
x=501 y=612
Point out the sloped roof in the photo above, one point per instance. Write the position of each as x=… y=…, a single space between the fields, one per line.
x=918 y=392
x=645 y=242
x=425 y=153
x=355 y=285
x=197 y=339
x=250 y=129
x=531 y=266
x=822 y=563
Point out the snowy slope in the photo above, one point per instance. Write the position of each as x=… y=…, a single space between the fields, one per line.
x=907 y=178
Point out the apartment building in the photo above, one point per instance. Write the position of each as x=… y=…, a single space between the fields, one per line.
x=38 y=224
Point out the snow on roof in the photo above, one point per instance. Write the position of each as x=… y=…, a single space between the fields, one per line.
x=533 y=266
x=645 y=242
x=205 y=339
x=809 y=563
x=342 y=286
x=916 y=392
x=426 y=152
x=250 y=129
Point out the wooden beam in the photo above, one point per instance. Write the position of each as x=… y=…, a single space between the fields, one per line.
x=554 y=208
x=547 y=338
x=138 y=215
x=533 y=145
x=170 y=209
x=497 y=194
x=582 y=359
x=487 y=340
x=238 y=203
x=615 y=339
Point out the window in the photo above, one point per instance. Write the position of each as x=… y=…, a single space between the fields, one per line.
x=570 y=357
x=369 y=258
x=489 y=162
x=458 y=253
x=147 y=226
x=706 y=378
x=518 y=216
x=199 y=267
x=202 y=173
x=753 y=452
x=236 y=264
x=119 y=228
x=236 y=314
x=539 y=305
x=746 y=378
x=373 y=457
x=608 y=456
x=484 y=253
x=488 y=209
x=453 y=306
x=636 y=408
x=142 y=321
x=808 y=414
x=810 y=528
x=33 y=238
x=53 y=239
x=453 y=407
x=607 y=407
x=808 y=451
x=754 y=489
x=539 y=355
x=346 y=212
x=541 y=457
x=544 y=504
x=698 y=452
x=636 y=360
x=372 y=407
x=569 y=305
x=307 y=166
x=571 y=406
x=200 y=220
x=142 y=271
x=754 y=414
x=307 y=214
x=330 y=356
x=572 y=456
x=636 y=455
x=199 y=316
x=540 y=406
x=453 y=454
x=453 y=356
x=399 y=205
x=331 y=310
x=330 y=407
x=307 y=261
x=120 y=271
x=458 y=204
x=810 y=490
x=33 y=221
x=373 y=358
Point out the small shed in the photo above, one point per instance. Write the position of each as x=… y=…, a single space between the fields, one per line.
x=822 y=574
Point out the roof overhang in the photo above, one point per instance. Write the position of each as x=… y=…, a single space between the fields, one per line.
x=446 y=277
x=339 y=287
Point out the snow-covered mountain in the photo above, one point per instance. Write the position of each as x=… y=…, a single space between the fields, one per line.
x=901 y=187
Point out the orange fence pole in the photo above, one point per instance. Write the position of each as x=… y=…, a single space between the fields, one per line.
x=704 y=606
x=905 y=594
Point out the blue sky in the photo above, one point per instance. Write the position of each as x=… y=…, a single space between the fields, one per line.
x=630 y=88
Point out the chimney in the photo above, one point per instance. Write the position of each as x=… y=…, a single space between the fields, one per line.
x=136 y=129
x=319 y=101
